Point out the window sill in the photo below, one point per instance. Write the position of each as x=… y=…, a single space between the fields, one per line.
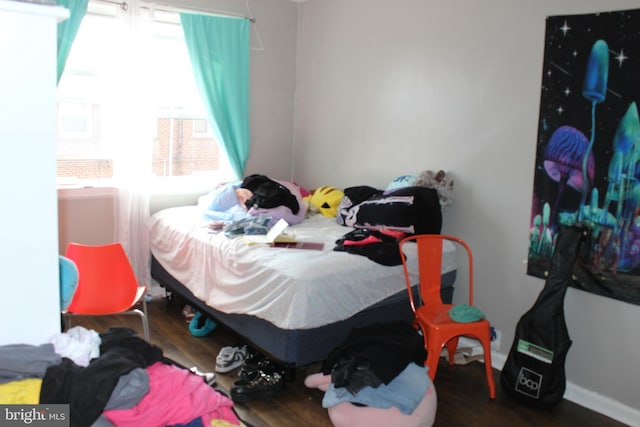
x=67 y=192
x=98 y=188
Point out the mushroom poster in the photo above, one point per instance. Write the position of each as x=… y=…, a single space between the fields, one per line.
x=587 y=170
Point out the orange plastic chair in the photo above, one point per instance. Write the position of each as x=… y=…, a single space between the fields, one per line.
x=107 y=284
x=432 y=315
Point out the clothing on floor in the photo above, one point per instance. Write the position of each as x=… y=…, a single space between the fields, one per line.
x=373 y=355
x=20 y=361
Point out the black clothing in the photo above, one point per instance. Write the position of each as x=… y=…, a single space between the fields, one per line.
x=373 y=355
x=268 y=193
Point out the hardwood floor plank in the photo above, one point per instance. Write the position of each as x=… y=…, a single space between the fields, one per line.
x=463 y=398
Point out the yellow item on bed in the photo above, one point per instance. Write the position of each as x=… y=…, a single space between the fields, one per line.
x=326 y=200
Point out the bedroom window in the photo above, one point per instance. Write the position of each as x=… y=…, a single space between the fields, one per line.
x=97 y=111
x=201 y=128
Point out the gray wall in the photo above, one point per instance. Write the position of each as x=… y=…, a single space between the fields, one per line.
x=391 y=87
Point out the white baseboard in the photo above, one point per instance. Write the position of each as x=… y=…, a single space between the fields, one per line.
x=587 y=398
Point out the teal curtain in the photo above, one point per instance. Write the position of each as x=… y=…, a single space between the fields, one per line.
x=68 y=29
x=219 y=53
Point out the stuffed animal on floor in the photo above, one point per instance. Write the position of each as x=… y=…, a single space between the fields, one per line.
x=346 y=414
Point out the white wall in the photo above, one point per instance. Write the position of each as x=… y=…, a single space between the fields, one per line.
x=390 y=87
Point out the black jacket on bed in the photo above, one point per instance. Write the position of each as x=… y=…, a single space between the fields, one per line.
x=268 y=193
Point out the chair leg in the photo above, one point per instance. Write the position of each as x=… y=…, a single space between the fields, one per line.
x=145 y=328
x=145 y=320
x=452 y=346
x=433 y=357
x=68 y=322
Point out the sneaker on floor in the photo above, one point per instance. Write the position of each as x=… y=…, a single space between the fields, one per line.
x=230 y=358
x=207 y=377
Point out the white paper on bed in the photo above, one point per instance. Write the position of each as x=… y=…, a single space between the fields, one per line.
x=293 y=289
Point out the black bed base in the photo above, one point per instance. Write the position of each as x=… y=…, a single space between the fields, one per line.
x=299 y=347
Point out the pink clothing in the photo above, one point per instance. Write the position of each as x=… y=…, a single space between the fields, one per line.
x=176 y=396
x=366 y=241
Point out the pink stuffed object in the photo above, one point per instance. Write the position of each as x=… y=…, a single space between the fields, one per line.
x=345 y=414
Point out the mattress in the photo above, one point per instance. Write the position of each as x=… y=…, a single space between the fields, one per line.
x=290 y=288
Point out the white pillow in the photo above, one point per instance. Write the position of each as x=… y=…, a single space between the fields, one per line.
x=401 y=181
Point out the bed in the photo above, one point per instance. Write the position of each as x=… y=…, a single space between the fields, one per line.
x=295 y=305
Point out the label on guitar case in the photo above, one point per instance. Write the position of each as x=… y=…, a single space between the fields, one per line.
x=529 y=383
x=535 y=351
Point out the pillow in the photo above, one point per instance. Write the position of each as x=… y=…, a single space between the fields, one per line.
x=402 y=181
x=222 y=204
x=222 y=198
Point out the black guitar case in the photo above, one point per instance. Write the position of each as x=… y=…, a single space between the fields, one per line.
x=534 y=372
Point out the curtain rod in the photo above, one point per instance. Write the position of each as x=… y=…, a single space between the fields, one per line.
x=124 y=6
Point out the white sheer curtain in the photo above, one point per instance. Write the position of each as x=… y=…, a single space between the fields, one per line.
x=129 y=126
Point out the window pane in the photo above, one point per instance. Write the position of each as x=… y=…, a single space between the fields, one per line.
x=81 y=152
x=200 y=126
x=181 y=151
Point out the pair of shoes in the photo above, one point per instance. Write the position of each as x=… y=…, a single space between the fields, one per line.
x=263 y=385
x=254 y=363
x=207 y=377
x=230 y=358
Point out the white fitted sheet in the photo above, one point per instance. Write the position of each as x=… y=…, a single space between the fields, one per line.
x=291 y=288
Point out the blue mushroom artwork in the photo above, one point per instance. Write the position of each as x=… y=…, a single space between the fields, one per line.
x=595 y=90
x=587 y=170
x=568 y=162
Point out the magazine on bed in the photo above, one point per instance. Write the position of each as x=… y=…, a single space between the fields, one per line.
x=317 y=246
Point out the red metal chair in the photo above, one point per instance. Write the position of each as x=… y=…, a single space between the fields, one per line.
x=432 y=315
x=107 y=284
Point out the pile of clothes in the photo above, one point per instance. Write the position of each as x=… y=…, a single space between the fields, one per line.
x=377 y=377
x=110 y=379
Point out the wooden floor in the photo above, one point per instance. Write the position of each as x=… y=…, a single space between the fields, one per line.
x=462 y=392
